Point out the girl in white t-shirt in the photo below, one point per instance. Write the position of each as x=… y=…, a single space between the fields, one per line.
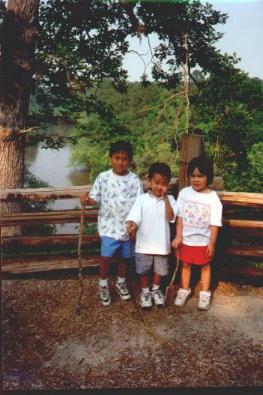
x=198 y=221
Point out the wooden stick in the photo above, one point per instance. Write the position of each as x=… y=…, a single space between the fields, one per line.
x=81 y=285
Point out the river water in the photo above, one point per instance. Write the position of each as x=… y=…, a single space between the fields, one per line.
x=52 y=166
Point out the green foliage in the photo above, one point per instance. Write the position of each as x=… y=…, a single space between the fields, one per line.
x=228 y=111
x=32 y=181
x=225 y=110
x=83 y=43
x=151 y=118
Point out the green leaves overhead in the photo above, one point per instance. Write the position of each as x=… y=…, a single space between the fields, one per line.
x=84 y=41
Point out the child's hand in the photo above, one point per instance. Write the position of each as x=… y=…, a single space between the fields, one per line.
x=211 y=249
x=176 y=242
x=164 y=192
x=132 y=228
x=84 y=198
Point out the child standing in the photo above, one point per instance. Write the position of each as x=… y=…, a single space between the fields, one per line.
x=150 y=217
x=198 y=221
x=115 y=191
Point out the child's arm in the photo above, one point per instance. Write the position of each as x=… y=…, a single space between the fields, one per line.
x=86 y=200
x=132 y=228
x=179 y=232
x=215 y=223
x=169 y=213
x=212 y=244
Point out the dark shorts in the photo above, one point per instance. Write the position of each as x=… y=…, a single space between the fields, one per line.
x=111 y=247
x=193 y=255
x=145 y=262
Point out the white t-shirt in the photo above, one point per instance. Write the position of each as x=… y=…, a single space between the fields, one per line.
x=115 y=195
x=153 y=234
x=199 y=211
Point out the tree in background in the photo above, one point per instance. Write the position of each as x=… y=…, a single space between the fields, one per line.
x=81 y=42
x=18 y=38
x=228 y=111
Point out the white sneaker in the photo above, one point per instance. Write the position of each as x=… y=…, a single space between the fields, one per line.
x=158 y=297
x=146 y=300
x=204 y=300
x=182 y=296
x=123 y=290
x=105 y=297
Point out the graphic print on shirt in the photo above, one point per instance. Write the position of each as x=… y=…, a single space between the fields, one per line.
x=196 y=214
x=116 y=197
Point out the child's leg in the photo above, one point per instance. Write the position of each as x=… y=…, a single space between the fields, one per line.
x=160 y=270
x=184 y=292
x=145 y=297
x=104 y=267
x=105 y=297
x=122 y=267
x=156 y=280
x=157 y=294
x=186 y=275
x=205 y=294
x=121 y=285
x=143 y=269
x=144 y=282
x=206 y=277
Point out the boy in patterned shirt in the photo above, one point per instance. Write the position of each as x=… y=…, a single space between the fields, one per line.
x=115 y=191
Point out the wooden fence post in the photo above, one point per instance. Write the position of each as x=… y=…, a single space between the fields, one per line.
x=192 y=145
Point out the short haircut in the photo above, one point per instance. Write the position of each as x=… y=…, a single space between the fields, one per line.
x=160 y=168
x=121 y=146
x=204 y=165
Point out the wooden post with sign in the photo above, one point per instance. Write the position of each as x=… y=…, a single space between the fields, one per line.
x=192 y=145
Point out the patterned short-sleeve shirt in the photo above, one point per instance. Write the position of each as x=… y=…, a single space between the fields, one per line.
x=115 y=195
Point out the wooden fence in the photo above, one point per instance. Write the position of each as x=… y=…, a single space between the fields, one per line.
x=241 y=234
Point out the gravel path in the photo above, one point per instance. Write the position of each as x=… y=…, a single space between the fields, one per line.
x=46 y=346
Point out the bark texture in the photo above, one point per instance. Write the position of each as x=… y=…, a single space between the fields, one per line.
x=18 y=37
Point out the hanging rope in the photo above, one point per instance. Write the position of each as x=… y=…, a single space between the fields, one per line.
x=81 y=284
x=186 y=78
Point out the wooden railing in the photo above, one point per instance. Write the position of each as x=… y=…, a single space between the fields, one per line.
x=239 y=236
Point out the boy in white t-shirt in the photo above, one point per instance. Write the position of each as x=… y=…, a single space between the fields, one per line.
x=150 y=217
x=198 y=221
x=115 y=191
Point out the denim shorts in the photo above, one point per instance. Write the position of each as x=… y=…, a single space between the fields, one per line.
x=112 y=247
x=145 y=262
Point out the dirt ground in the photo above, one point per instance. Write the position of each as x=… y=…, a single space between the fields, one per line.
x=46 y=346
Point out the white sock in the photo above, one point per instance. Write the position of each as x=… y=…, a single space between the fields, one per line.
x=103 y=283
x=145 y=290
x=155 y=287
x=120 y=279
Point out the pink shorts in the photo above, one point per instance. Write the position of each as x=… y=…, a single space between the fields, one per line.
x=193 y=255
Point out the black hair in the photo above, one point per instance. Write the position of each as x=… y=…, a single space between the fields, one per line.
x=121 y=146
x=204 y=165
x=160 y=168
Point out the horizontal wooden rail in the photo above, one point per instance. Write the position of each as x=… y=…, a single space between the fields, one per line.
x=21 y=265
x=73 y=216
x=241 y=199
x=248 y=251
x=37 y=194
x=47 y=241
x=233 y=229
x=49 y=217
x=42 y=264
x=243 y=224
x=13 y=243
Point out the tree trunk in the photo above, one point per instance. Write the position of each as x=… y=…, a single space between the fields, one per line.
x=18 y=36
